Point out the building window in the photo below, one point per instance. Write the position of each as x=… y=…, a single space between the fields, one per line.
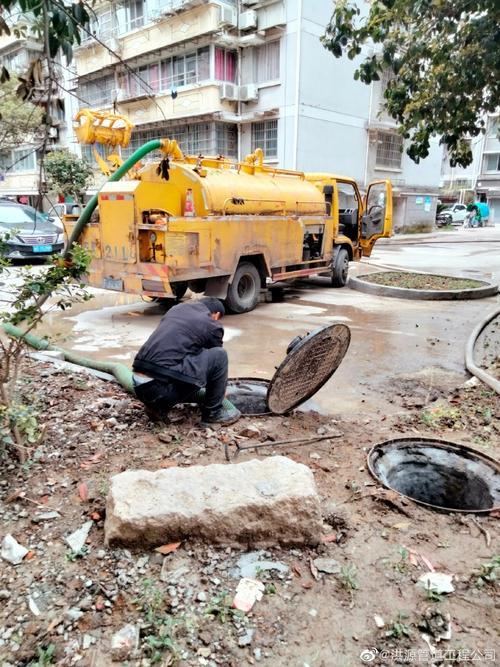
x=106 y=24
x=389 y=150
x=265 y=136
x=267 y=62
x=226 y=139
x=193 y=138
x=135 y=14
x=98 y=93
x=492 y=162
x=225 y=65
x=494 y=127
x=19 y=160
x=168 y=73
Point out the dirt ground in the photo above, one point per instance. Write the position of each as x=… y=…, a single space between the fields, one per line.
x=60 y=607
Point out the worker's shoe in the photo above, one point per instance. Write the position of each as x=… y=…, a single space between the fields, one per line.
x=222 y=416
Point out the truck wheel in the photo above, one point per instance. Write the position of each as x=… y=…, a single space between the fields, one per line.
x=340 y=268
x=243 y=292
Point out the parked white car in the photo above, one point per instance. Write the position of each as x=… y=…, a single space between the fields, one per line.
x=453 y=214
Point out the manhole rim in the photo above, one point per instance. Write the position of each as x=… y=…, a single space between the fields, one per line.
x=442 y=444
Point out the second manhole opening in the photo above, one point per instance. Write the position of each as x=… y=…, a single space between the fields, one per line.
x=439 y=474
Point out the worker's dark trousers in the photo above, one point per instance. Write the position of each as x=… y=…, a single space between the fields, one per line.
x=159 y=396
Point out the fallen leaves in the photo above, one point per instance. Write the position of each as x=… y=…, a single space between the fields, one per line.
x=168 y=548
x=83 y=491
x=86 y=465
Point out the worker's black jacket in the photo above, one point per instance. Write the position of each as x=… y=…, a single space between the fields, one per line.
x=173 y=349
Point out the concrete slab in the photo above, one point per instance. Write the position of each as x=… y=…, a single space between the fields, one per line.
x=255 y=503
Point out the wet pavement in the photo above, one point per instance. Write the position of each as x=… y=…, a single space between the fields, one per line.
x=390 y=337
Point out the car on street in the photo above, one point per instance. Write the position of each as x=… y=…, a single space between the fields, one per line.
x=26 y=233
x=452 y=214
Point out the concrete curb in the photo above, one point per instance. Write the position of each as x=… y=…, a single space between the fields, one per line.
x=361 y=285
x=480 y=373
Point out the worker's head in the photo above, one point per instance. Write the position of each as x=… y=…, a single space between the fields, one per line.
x=215 y=306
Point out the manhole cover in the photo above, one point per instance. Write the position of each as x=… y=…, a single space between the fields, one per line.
x=439 y=474
x=306 y=368
x=311 y=360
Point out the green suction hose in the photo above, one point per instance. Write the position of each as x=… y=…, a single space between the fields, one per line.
x=121 y=373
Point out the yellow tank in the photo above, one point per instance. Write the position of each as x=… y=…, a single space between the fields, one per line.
x=220 y=187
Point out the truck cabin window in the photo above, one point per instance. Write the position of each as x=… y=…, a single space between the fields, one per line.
x=348 y=210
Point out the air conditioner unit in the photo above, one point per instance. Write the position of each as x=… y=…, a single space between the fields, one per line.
x=227 y=17
x=248 y=20
x=249 y=92
x=229 y=91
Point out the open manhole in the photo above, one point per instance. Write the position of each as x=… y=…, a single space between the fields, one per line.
x=438 y=474
x=311 y=360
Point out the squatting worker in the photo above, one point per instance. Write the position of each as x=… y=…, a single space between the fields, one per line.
x=181 y=356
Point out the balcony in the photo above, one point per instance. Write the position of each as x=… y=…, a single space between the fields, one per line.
x=165 y=31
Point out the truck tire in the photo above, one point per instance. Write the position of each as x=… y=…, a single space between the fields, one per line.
x=243 y=293
x=340 y=268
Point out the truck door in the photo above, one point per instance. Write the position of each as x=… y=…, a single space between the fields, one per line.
x=376 y=221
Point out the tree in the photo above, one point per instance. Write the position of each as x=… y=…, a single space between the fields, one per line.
x=444 y=64
x=18 y=122
x=67 y=174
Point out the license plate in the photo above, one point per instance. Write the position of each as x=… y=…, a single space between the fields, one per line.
x=42 y=248
x=113 y=283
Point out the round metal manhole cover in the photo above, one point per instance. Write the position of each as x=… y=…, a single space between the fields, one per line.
x=307 y=367
x=439 y=474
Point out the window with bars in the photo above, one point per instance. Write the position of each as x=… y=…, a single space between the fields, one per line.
x=389 y=150
x=100 y=92
x=193 y=138
x=267 y=62
x=265 y=136
x=167 y=73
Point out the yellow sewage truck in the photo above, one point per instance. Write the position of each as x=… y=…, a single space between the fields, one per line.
x=229 y=229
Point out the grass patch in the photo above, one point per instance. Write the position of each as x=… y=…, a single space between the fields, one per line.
x=420 y=281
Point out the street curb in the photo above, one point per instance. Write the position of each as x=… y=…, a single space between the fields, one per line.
x=480 y=373
x=361 y=285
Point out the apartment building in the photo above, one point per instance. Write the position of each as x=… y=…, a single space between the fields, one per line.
x=481 y=179
x=19 y=167
x=228 y=76
x=488 y=178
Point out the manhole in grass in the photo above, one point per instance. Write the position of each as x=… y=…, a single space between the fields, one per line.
x=438 y=474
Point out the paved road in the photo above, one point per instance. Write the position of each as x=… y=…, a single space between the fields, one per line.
x=390 y=337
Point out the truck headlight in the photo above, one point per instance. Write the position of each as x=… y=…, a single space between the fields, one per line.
x=60 y=239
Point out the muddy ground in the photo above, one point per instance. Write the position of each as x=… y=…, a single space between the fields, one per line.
x=58 y=607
